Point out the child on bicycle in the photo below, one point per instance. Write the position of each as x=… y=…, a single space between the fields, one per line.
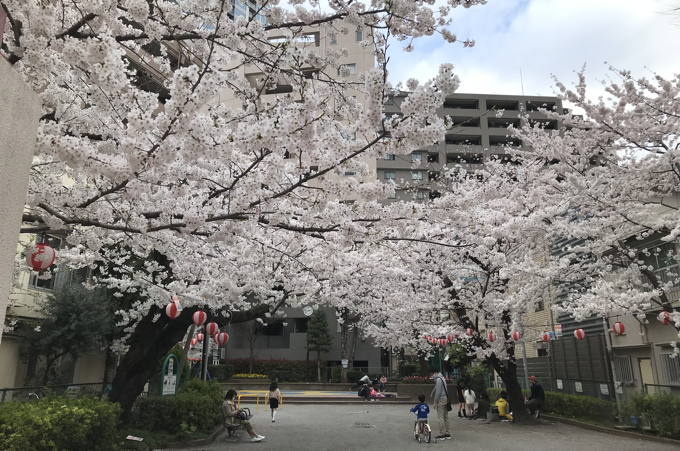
x=422 y=410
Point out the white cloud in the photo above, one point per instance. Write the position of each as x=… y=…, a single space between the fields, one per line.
x=545 y=37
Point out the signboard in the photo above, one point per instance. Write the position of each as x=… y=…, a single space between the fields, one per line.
x=560 y=386
x=558 y=330
x=604 y=389
x=578 y=387
x=345 y=363
x=169 y=375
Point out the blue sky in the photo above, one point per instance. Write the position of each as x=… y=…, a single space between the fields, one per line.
x=549 y=37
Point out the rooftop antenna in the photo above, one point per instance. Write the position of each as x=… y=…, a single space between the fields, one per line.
x=521 y=80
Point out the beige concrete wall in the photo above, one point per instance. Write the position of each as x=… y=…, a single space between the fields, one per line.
x=9 y=362
x=89 y=368
x=19 y=113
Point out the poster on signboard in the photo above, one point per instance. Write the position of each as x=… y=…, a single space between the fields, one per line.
x=169 y=375
x=558 y=330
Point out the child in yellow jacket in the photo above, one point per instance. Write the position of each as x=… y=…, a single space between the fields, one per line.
x=503 y=406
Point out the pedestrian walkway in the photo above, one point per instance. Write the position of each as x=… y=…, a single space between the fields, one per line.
x=383 y=427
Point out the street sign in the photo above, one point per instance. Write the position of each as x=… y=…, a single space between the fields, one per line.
x=345 y=363
x=558 y=330
x=169 y=375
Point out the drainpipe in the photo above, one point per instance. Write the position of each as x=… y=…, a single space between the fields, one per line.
x=610 y=362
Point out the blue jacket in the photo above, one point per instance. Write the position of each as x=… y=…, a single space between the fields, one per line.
x=421 y=410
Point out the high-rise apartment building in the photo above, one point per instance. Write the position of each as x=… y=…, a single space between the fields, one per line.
x=478 y=133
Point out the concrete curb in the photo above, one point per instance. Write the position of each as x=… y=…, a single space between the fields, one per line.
x=612 y=431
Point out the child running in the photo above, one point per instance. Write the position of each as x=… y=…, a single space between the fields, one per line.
x=274 y=399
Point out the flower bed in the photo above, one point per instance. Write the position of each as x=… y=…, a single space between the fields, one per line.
x=249 y=376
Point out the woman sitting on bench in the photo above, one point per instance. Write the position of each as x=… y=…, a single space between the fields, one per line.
x=235 y=416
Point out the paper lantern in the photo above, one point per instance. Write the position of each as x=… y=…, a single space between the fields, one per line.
x=516 y=335
x=546 y=336
x=212 y=328
x=491 y=336
x=443 y=342
x=469 y=332
x=171 y=310
x=451 y=337
x=200 y=317
x=41 y=257
x=222 y=338
x=664 y=317
x=580 y=334
x=194 y=341
x=199 y=337
x=618 y=328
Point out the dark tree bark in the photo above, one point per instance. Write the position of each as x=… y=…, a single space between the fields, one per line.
x=148 y=344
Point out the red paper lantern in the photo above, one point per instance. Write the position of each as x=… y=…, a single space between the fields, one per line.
x=443 y=342
x=171 y=310
x=491 y=336
x=212 y=328
x=664 y=317
x=200 y=317
x=222 y=338
x=194 y=341
x=41 y=257
x=469 y=332
x=199 y=337
x=618 y=328
x=546 y=336
x=516 y=335
x=451 y=337
x=580 y=334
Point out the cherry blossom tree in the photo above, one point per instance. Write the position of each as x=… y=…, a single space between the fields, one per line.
x=233 y=205
x=611 y=180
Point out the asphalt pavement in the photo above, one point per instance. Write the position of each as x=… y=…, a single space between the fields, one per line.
x=376 y=426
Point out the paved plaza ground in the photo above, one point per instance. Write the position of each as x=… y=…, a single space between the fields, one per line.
x=376 y=426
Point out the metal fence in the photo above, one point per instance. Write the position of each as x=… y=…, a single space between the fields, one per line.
x=97 y=389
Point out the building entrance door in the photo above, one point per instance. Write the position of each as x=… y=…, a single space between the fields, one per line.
x=646 y=375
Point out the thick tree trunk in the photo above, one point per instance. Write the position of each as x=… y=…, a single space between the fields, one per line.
x=508 y=373
x=318 y=366
x=148 y=344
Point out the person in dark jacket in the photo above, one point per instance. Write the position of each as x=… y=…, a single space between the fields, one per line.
x=536 y=397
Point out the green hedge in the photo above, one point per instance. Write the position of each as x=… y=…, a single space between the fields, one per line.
x=196 y=408
x=660 y=411
x=572 y=406
x=59 y=424
x=281 y=370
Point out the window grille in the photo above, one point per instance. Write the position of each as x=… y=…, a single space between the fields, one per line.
x=623 y=368
x=670 y=367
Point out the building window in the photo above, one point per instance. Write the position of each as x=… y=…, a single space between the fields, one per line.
x=540 y=306
x=392 y=194
x=433 y=157
x=670 y=367
x=416 y=157
x=623 y=370
x=390 y=156
x=274 y=329
x=416 y=175
x=541 y=352
x=421 y=194
x=389 y=175
x=350 y=173
x=359 y=35
x=333 y=38
x=301 y=325
x=347 y=69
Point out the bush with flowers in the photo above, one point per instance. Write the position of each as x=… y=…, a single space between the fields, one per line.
x=249 y=376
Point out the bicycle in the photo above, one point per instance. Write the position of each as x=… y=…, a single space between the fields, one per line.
x=422 y=431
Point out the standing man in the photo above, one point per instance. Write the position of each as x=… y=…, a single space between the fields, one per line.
x=536 y=397
x=440 y=400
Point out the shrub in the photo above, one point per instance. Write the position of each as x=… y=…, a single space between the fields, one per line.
x=662 y=411
x=250 y=376
x=281 y=370
x=573 y=406
x=59 y=424
x=196 y=408
x=220 y=372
